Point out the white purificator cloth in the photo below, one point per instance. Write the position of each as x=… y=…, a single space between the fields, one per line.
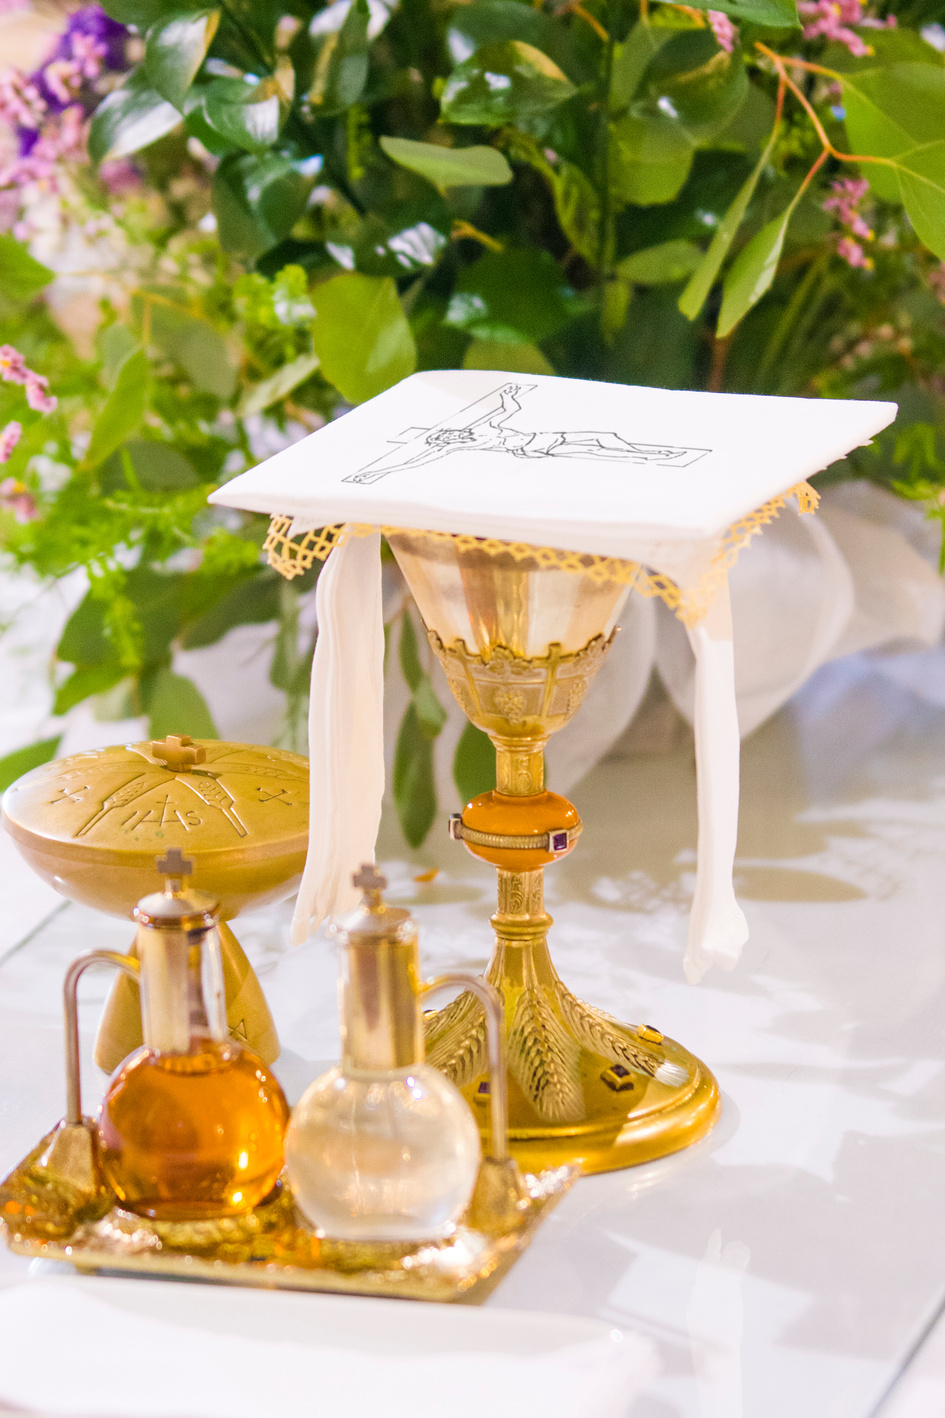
x=649 y=475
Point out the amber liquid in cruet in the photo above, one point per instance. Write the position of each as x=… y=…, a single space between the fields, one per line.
x=187 y=1137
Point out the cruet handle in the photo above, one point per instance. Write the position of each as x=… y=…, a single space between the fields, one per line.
x=70 y=1000
x=491 y=1001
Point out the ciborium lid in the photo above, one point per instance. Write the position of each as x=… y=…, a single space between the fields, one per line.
x=92 y=823
x=656 y=489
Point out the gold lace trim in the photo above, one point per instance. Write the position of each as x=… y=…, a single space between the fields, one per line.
x=294 y=556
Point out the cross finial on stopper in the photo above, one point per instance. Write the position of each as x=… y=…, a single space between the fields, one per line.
x=174 y=867
x=369 y=878
x=178 y=751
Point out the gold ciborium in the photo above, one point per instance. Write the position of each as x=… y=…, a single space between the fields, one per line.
x=520 y=639
x=90 y=825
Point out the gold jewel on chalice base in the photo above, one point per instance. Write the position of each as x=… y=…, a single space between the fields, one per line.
x=91 y=825
x=520 y=640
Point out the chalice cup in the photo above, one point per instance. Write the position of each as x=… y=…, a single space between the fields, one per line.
x=520 y=639
x=92 y=825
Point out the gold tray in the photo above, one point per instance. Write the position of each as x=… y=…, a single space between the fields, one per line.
x=43 y=1216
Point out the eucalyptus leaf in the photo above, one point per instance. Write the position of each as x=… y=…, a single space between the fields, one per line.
x=130 y=118
x=474 y=763
x=174 y=705
x=478 y=166
x=431 y=716
x=504 y=83
x=194 y=344
x=175 y=49
x=703 y=278
x=122 y=412
x=21 y=760
x=277 y=386
x=252 y=601
x=144 y=13
x=155 y=466
x=658 y=265
x=413 y=781
x=20 y=274
x=473 y=26
x=631 y=59
x=361 y=335
x=84 y=682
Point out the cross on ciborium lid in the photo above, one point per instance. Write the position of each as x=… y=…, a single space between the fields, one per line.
x=177 y=752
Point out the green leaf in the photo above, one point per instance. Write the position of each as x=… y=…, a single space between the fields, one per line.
x=341 y=67
x=703 y=278
x=450 y=167
x=144 y=13
x=86 y=681
x=577 y=210
x=271 y=390
x=776 y=14
x=511 y=359
x=246 y=112
x=517 y=295
x=194 y=344
x=15 y=764
x=413 y=781
x=692 y=81
x=504 y=83
x=431 y=716
x=473 y=26
x=670 y=261
x=649 y=184
x=156 y=466
x=890 y=111
x=257 y=201
x=122 y=412
x=130 y=118
x=174 y=705
x=20 y=274
x=175 y=49
x=752 y=271
x=252 y=601
x=631 y=59
x=361 y=335
x=474 y=763
x=922 y=184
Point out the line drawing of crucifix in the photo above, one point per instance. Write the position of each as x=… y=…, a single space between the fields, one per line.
x=484 y=427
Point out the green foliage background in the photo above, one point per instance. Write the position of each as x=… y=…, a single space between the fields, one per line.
x=335 y=196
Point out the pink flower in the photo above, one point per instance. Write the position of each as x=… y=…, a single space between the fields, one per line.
x=120 y=176
x=723 y=29
x=831 y=19
x=853 y=253
x=17 y=498
x=9 y=438
x=37 y=396
x=12 y=365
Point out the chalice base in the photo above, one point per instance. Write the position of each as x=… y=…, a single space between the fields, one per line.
x=584 y=1089
x=248 y=1017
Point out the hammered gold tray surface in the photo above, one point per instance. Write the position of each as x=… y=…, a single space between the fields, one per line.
x=268 y=1248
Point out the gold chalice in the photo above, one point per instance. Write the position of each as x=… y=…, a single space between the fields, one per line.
x=90 y=825
x=520 y=639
